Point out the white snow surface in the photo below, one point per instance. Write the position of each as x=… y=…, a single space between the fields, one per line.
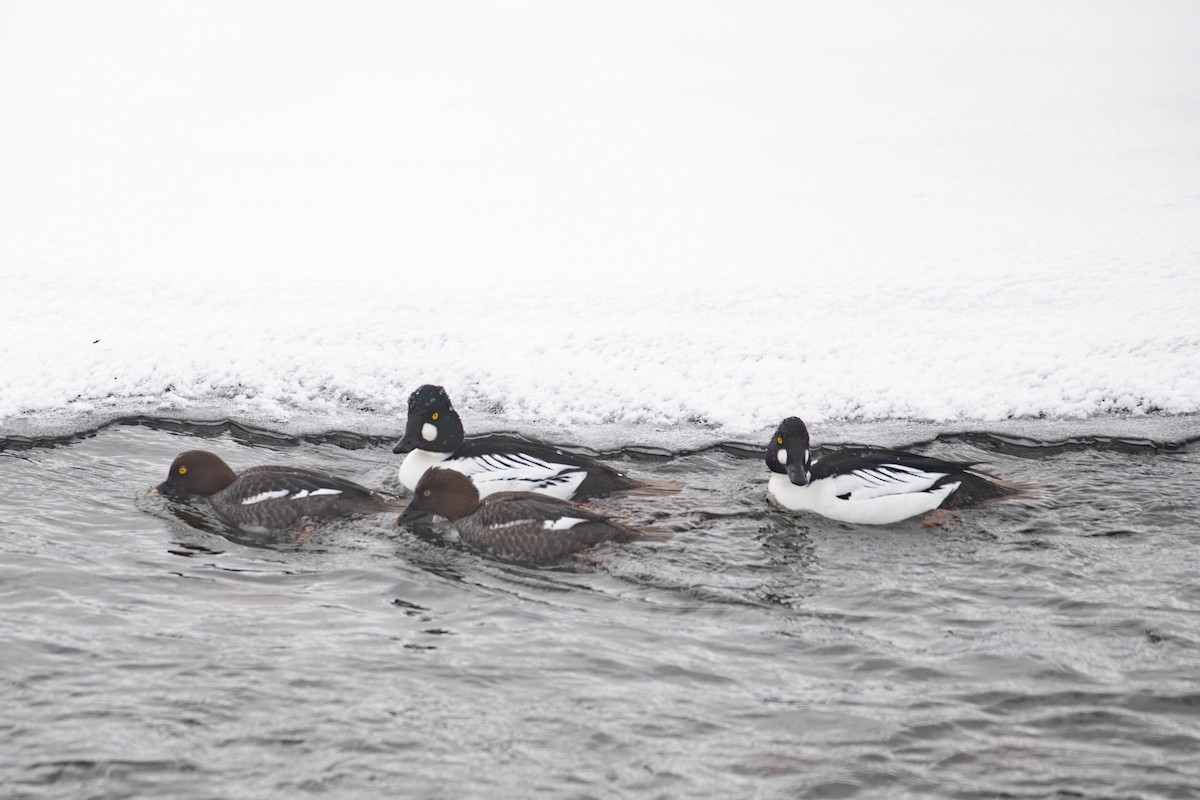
x=653 y=215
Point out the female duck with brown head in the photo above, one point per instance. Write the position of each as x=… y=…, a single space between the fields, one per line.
x=271 y=498
x=517 y=526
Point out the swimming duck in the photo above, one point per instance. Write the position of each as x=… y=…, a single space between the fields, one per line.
x=268 y=499
x=517 y=526
x=872 y=486
x=434 y=436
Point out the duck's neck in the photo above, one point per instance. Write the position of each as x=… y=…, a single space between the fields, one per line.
x=415 y=464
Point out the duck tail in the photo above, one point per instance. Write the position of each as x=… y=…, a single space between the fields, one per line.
x=654 y=488
x=1008 y=491
x=632 y=532
x=654 y=535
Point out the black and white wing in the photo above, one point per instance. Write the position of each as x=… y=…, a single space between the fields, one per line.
x=866 y=473
x=499 y=464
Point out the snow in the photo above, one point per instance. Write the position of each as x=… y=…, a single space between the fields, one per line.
x=659 y=216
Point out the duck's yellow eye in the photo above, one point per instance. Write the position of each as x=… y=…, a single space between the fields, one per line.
x=434 y=416
x=778 y=440
x=183 y=470
x=425 y=493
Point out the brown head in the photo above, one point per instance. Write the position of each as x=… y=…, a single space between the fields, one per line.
x=197 y=472
x=443 y=492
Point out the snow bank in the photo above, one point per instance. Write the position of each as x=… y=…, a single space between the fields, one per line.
x=679 y=215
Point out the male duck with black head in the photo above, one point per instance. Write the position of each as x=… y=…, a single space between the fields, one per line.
x=434 y=436
x=875 y=486
x=271 y=499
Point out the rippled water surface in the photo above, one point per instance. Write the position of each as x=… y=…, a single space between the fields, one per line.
x=1016 y=652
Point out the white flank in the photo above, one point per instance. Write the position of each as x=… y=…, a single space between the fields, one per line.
x=867 y=506
x=562 y=523
x=428 y=432
x=261 y=496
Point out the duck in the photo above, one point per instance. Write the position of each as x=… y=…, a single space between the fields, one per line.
x=270 y=499
x=874 y=486
x=525 y=527
x=434 y=436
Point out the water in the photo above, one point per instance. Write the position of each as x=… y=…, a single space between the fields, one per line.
x=1020 y=652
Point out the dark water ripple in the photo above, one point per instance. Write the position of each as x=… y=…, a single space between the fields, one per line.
x=1020 y=652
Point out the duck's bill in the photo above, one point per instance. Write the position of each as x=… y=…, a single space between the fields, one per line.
x=411 y=515
x=796 y=474
x=410 y=442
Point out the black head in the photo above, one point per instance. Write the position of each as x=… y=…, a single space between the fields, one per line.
x=433 y=424
x=789 y=452
x=443 y=492
x=197 y=472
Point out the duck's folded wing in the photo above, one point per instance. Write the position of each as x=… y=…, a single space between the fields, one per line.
x=884 y=481
x=515 y=472
x=865 y=475
x=296 y=484
x=512 y=509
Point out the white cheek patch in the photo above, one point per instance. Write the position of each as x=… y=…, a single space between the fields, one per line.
x=562 y=523
x=428 y=432
x=260 y=497
x=781 y=454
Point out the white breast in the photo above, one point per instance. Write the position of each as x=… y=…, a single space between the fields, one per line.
x=415 y=464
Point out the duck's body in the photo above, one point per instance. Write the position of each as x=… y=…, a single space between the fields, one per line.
x=434 y=436
x=873 y=486
x=518 y=526
x=271 y=499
